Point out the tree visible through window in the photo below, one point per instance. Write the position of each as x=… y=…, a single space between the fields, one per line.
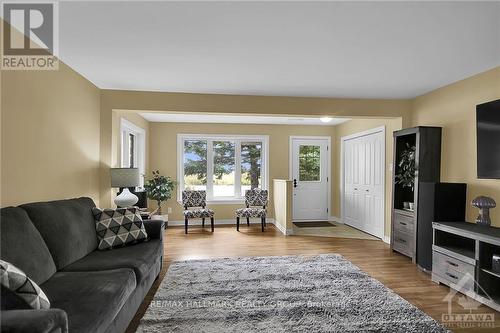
x=251 y=164
x=223 y=179
x=309 y=163
x=236 y=166
x=195 y=164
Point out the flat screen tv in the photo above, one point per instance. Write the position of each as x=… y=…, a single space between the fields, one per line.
x=488 y=140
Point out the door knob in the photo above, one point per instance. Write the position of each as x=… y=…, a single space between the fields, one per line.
x=295 y=183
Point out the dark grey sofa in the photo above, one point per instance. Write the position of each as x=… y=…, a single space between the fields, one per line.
x=55 y=244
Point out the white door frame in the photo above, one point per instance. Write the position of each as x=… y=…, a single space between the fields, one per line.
x=342 y=179
x=328 y=170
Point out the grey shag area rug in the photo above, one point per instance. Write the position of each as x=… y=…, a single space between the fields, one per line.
x=324 y=293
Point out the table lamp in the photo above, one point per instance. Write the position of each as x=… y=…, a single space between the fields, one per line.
x=124 y=178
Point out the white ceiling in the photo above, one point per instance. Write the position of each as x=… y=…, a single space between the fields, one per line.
x=238 y=119
x=329 y=49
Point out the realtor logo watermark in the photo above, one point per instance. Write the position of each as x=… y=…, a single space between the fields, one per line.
x=474 y=318
x=30 y=39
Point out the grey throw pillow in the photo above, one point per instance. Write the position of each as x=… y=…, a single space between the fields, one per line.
x=118 y=227
x=22 y=288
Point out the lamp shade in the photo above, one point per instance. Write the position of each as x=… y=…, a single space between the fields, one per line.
x=125 y=177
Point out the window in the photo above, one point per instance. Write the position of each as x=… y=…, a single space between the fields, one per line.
x=133 y=147
x=309 y=163
x=225 y=166
x=195 y=164
x=251 y=165
x=132 y=151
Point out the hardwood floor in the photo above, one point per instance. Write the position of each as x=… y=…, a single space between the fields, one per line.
x=374 y=257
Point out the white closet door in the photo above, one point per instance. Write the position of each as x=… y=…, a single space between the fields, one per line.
x=363 y=163
x=352 y=203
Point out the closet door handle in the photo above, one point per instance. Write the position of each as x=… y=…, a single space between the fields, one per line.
x=451 y=263
x=452 y=276
x=402 y=223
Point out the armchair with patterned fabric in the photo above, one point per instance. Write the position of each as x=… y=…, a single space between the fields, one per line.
x=197 y=200
x=256 y=202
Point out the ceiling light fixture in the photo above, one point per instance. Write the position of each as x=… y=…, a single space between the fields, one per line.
x=325 y=119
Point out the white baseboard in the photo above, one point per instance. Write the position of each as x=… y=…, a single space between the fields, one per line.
x=387 y=239
x=335 y=219
x=218 y=222
x=281 y=228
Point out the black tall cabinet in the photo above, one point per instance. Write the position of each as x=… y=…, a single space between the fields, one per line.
x=438 y=202
x=427 y=143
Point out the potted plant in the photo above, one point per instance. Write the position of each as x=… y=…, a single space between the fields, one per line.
x=159 y=189
x=406 y=171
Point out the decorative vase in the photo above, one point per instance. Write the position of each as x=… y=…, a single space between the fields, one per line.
x=126 y=198
x=484 y=204
x=406 y=205
x=411 y=206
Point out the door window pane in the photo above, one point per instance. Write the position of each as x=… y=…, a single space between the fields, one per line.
x=309 y=163
x=223 y=168
x=195 y=165
x=251 y=166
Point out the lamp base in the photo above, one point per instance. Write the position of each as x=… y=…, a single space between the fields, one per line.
x=126 y=198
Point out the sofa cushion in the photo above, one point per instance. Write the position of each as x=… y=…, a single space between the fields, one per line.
x=67 y=226
x=140 y=257
x=22 y=287
x=118 y=227
x=91 y=299
x=22 y=245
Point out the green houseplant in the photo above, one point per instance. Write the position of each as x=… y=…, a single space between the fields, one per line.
x=159 y=188
x=406 y=170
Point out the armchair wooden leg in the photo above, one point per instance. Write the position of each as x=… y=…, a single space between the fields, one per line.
x=237 y=223
x=265 y=222
x=203 y=222
x=212 y=223
x=186 y=225
x=248 y=221
x=262 y=221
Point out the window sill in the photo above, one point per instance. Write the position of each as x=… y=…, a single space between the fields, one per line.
x=223 y=202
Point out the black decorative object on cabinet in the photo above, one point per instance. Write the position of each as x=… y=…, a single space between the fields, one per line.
x=437 y=202
x=417 y=159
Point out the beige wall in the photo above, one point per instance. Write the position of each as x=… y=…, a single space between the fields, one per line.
x=454 y=108
x=135 y=119
x=113 y=100
x=60 y=134
x=50 y=136
x=163 y=152
x=356 y=126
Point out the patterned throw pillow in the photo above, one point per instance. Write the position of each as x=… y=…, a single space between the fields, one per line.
x=24 y=289
x=118 y=227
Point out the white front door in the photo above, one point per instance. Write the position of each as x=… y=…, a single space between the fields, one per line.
x=310 y=173
x=363 y=178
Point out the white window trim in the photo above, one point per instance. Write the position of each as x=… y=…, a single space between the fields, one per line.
x=230 y=137
x=126 y=128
